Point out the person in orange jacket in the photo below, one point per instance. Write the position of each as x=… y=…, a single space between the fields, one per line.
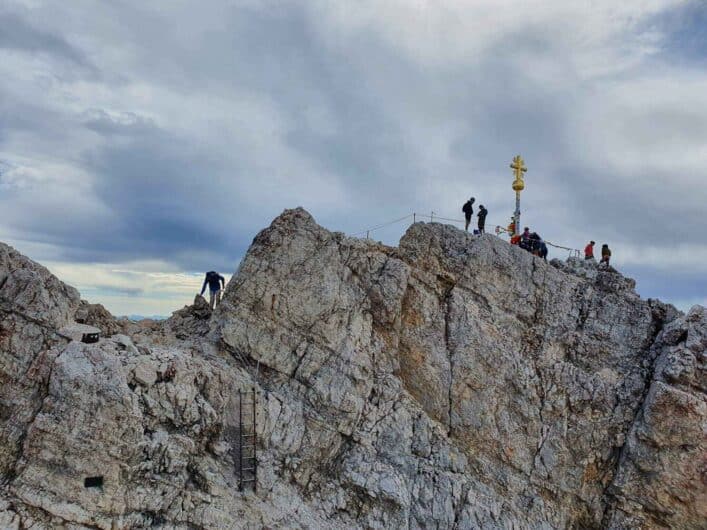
x=512 y=227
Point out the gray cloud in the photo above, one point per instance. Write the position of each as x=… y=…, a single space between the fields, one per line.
x=18 y=34
x=684 y=28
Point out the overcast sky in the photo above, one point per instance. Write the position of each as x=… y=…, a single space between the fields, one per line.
x=142 y=143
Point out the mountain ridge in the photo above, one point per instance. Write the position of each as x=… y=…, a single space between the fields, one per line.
x=454 y=381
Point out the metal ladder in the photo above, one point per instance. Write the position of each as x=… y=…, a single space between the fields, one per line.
x=247 y=440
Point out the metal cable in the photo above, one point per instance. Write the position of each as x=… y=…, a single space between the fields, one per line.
x=4 y=306
x=383 y=225
x=432 y=217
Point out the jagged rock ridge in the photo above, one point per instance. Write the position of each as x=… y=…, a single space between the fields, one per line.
x=453 y=382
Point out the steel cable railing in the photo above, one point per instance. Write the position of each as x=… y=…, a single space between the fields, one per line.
x=434 y=217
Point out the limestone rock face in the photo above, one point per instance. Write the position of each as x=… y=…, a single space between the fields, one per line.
x=34 y=304
x=191 y=321
x=662 y=476
x=29 y=288
x=452 y=382
x=98 y=316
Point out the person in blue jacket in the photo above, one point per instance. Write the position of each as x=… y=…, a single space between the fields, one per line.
x=216 y=282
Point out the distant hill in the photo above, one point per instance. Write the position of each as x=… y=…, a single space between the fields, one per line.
x=138 y=318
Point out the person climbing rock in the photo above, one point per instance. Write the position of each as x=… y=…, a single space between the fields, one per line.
x=482 y=218
x=589 y=250
x=468 y=210
x=605 y=254
x=215 y=282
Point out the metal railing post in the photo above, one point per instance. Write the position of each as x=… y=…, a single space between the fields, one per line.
x=240 y=440
x=255 y=455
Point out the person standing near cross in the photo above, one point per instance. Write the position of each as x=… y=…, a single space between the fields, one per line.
x=468 y=210
x=483 y=212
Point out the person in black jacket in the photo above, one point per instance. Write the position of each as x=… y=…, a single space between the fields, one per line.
x=215 y=282
x=605 y=255
x=468 y=210
x=482 y=218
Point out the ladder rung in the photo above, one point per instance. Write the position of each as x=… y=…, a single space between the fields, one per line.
x=248 y=479
x=248 y=469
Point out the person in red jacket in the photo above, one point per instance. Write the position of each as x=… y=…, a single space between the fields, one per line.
x=589 y=250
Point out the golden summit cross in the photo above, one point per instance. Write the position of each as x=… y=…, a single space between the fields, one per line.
x=518 y=167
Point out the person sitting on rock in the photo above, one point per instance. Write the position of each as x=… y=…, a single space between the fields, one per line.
x=482 y=218
x=534 y=240
x=468 y=210
x=525 y=239
x=589 y=250
x=542 y=249
x=538 y=246
x=216 y=282
x=605 y=255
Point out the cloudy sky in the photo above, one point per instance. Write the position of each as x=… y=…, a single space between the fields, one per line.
x=142 y=144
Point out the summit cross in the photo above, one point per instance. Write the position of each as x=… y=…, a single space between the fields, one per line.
x=518 y=167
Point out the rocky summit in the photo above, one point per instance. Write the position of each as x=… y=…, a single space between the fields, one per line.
x=453 y=382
